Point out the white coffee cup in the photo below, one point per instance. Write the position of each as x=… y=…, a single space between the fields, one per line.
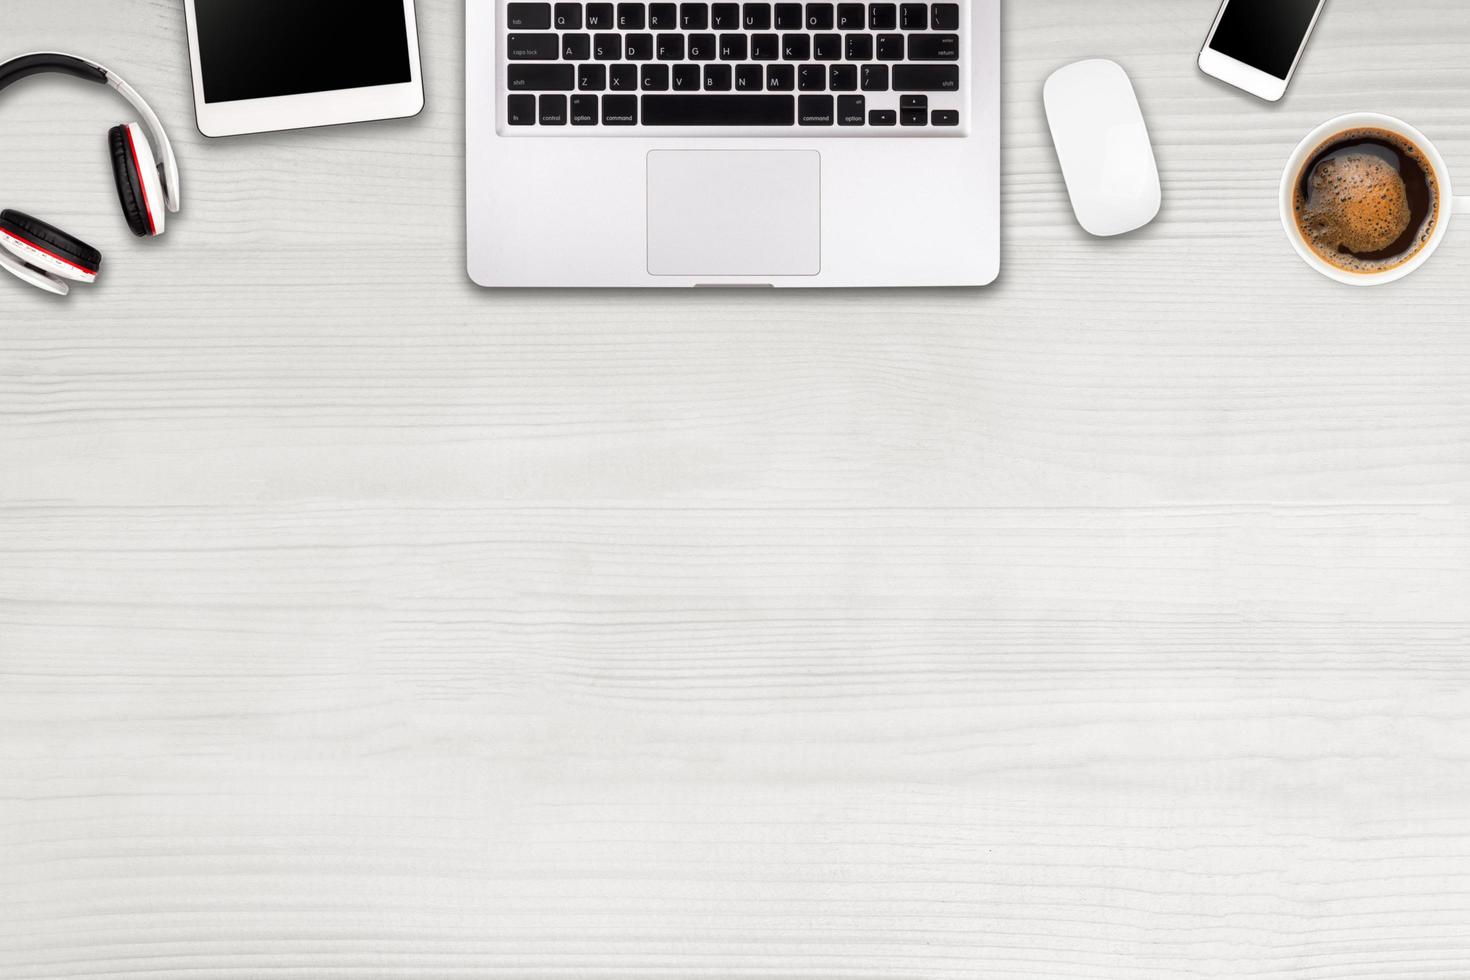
x=1448 y=203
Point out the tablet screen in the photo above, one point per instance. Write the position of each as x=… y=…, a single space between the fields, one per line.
x=262 y=49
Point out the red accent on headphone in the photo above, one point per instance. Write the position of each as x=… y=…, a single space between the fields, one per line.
x=142 y=185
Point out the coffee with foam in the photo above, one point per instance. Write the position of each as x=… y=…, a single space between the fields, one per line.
x=1367 y=201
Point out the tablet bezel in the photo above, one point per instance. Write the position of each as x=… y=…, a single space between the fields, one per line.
x=216 y=119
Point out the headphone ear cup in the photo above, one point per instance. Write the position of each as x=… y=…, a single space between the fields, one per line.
x=139 y=189
x=47 y=249
x=129 y=181
x=33 y=276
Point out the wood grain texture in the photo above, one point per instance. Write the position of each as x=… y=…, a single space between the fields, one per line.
x=1108 y=623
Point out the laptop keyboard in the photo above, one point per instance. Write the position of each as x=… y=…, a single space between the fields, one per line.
x=835 y=67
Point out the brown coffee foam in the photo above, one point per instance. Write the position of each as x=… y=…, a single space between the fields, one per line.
x=1410 y=243
x=1357 y=202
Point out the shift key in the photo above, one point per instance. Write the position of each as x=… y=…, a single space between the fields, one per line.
x=926 y=78
x=539 y=78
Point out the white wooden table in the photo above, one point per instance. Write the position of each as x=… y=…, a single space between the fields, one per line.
x=1109 y=623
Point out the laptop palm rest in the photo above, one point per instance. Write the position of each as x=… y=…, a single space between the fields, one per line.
x=734 y=212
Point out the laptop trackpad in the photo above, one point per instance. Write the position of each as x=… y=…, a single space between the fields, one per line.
x=734 y=212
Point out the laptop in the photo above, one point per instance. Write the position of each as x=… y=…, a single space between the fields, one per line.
x=654 y=144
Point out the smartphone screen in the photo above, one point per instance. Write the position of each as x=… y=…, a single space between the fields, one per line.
x=1265 y=34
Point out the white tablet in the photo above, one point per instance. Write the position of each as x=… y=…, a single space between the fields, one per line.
x=265 y=65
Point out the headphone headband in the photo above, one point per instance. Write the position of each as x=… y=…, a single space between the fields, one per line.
x=55 y=62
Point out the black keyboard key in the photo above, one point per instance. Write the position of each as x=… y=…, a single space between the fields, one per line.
x=851 y=16
x=654 y=78
x=765 y=47
x=913 y=16
x=584 y=110
x=599 y=16
x=827 y=47
x=851 y=110
x=531 y=47
x=553 y=110
x=718 y=110
x=528 y=16
x=567 y=16
x=749 y=78
x=663 y=17
x=591 y=78
x=606 y=47
x=788 y=17
x=756 y=17
x=860 y=47
x=811 y=78
x=926 y=78
x=686 y=78
x=725 y=17
x=576 y=47
x=539 y=78
x=934 y=47
x=814 y=110
x=882 y=17
x=780 y=78
x=890 y=47
x=717 y=78
x=630 y=17
x=701 y=47
x=875 y=78
x=693 y=16
x=843 y=78
x=945 y=117
x=945 y=16
x=913 y=110
x=623 y=78
x=732 y=47
x=638 y=47
x=882 y=117
x=819 y=16
x=620 y=110
x=669 y=47
x=795 y=47
x=520 y=110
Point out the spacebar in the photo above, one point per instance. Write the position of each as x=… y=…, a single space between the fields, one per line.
x=719 y=110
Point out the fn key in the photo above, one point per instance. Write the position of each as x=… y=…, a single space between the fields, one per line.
x=520 y=110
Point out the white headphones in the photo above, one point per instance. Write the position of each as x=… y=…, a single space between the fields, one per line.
x=44 y=255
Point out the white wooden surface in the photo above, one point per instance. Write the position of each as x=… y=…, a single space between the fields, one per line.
x=1109 y=623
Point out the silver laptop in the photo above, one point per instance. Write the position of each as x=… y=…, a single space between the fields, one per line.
x=733 y=144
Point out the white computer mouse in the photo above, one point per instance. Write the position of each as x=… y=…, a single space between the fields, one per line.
x=1103 y=145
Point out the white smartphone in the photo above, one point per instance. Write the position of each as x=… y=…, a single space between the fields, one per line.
x=1256 y=45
